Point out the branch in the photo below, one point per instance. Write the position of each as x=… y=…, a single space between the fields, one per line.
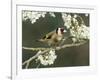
x=47 y=49
x=70 y=45
x=33 y=57
x=35 y=49
x=57 y=48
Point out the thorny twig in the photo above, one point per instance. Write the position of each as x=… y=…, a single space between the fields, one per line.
x=46 y=50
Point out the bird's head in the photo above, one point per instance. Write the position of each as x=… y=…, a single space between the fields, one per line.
x=60 y=31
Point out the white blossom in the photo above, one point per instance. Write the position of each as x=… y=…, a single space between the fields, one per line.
x=67 y=20
x=32 y=15
x=86 y=15
x=82 y=32
x=52 y=14
x=47 y=58
x=75 y=16
x=79 y=32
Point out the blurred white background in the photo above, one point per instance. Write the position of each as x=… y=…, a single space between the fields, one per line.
x=5 y=40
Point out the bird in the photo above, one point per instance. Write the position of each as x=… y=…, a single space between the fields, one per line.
x=54 y=37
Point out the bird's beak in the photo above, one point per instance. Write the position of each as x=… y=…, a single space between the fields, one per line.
x=64 y=31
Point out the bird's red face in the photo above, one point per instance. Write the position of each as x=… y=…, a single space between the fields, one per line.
x=62 y=30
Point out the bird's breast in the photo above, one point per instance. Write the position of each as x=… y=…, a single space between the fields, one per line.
x=59 y=38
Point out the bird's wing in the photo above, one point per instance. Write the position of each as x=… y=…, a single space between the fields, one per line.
x=49 y=35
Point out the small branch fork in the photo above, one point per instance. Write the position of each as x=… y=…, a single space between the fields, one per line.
x=44 y=50
x=33 y=57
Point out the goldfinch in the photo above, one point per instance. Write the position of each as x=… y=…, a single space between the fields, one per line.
x=53 y=38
